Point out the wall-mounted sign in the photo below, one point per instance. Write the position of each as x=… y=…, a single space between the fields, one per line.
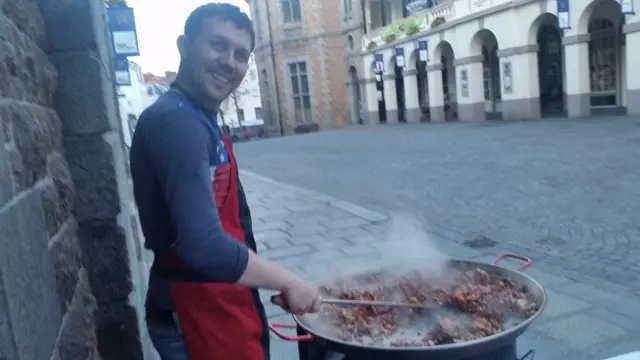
x=122 y=26
x=464 y=83
x=399 y=57
x=121 y=71
x=416 y=6
x=627 y=7
x=423 y=50
x=379 y=63
x=507 y=77
x=564 y=21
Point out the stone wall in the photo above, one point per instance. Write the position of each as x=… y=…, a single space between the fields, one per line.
x=70 y=262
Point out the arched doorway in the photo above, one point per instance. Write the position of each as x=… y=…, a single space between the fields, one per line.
x=382 y=108
x=606 y=63
x=423 y=87
x=356 y=102
x=399 y=90
x=486 y=44
x=550 y=66
x=448 y=81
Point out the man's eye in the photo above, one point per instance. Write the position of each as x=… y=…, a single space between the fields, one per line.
x=218 y=45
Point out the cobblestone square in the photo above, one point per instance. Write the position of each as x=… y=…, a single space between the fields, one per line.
x=562 y=192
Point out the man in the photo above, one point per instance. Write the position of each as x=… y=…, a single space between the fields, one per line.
x=194 y=214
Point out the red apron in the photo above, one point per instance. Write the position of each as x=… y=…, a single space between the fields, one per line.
x=221 y=321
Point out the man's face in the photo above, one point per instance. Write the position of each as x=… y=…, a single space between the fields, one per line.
x=218 y=58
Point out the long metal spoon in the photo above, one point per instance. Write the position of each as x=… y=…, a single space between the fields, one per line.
x=277 y=299
x=374 y=303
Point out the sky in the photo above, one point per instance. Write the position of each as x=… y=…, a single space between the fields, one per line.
x=158 y=24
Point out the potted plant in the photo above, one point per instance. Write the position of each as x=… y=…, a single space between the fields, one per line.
x=411 y=26
x=371 y=45
x=390 y=34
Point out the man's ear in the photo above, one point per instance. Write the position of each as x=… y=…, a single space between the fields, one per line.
x=182 y=46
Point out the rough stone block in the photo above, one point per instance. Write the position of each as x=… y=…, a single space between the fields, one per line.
x=106 y=258
x=73 y=24
x=57 y=195
x=66 y=256
x=80 y=98
x=6 y=187
x=91 y=164
x=36 y=134
x=78 y=340
x=118 y=324
x=26 y=73
x=28 y=279
x=7 y=343
x=27 y=17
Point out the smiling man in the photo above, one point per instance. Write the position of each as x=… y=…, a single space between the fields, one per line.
x=202 y=302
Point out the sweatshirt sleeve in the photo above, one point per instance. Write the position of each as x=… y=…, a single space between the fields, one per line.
x=179 y=152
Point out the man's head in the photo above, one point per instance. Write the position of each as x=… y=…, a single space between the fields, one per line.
x=214 y=50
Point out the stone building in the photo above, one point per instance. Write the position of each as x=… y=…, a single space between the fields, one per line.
x=300 y=52
x=72 y=271
x=497 y=59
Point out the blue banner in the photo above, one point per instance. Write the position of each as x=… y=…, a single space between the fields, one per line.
x=423 y=50
x=564 y=20
x=399 y=57
x=122 y=26
x=379 y=60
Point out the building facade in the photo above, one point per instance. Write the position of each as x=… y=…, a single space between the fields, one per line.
x=480 y=59
x=244 y=105
x=300 y=52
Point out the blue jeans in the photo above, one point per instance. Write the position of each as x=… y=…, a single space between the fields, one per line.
x=168 y=342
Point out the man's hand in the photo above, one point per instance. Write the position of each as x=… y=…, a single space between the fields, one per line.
x=298 y=298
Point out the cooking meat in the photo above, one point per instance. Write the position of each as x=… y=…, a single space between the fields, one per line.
x=471 y=304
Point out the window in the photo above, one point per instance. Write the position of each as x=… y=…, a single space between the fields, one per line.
x=300 y=92
x=241 y=115
x=348 y=7
x=291 y=11
x=259 y=113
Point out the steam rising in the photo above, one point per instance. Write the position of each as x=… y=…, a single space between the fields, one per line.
x=408 y=246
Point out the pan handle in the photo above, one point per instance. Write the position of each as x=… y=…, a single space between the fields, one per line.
x=274 y=329
x=527 y=262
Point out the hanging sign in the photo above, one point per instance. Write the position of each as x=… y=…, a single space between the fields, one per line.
x=464 y=82
x=416 y=6
x=379 y=61
x=399 y=57
x=564 y=21
x=627 y=7
x=121 y=71
x=507 y=77
x=122 y=26
x=423 y=52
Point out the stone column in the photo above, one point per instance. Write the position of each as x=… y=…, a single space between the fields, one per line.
x=79 y=46
x=576 y=69
x=370 y=112
x=632 y=32
x=520 y=100
x=436 y=93
x=411 y=99
x=390 y=100
x=471 y=105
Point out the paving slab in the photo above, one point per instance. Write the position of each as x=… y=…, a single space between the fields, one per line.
x=584 y=319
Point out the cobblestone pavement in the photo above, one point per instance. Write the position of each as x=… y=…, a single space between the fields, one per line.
x=316 y=235
x=562 y=190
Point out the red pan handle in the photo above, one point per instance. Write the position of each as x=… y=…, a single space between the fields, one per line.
x=274 y=329
x=527 y=262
